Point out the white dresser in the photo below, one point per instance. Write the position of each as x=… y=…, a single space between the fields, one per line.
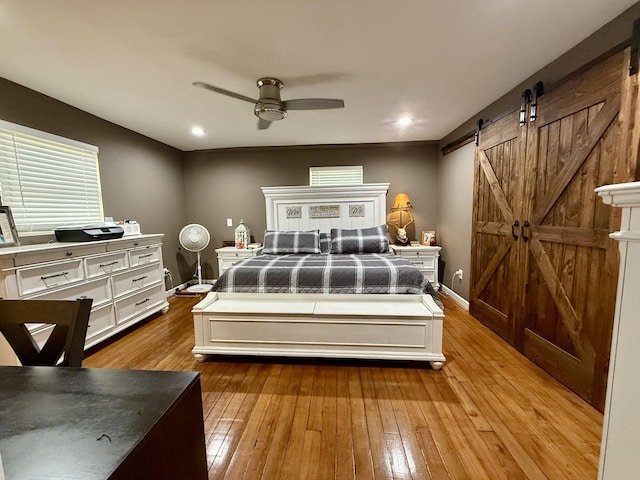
x=227 y=256
x=124 y=277
x=423 y=257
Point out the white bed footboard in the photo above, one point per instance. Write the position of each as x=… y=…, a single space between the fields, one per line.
x=394 y=327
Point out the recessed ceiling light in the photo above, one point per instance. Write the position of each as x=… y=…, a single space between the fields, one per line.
x=198 y=131
x=404 y=121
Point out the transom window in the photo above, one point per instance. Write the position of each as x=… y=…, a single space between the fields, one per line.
x=348 y=175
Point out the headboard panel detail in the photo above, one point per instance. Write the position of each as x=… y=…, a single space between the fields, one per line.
x=327 y=207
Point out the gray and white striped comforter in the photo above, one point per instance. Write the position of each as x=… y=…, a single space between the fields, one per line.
x=369 y=273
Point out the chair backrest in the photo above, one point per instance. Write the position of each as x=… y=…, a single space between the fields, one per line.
x=69 y=317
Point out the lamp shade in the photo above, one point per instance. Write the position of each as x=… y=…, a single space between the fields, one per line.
x=401 y=200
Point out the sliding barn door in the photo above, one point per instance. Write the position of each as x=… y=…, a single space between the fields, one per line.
x=544 y=269
x=497 y=282
x=572 y=148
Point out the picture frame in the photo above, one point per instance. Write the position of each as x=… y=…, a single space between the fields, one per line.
x=428 y=237
x=8 y=232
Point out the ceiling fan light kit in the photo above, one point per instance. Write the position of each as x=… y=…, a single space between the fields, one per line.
x=270 y=107
x=270 y=112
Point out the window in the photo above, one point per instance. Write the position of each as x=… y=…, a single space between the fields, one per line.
x=48 y=181
x=319 y=176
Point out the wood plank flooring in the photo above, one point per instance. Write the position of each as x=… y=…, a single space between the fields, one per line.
x=488 y=414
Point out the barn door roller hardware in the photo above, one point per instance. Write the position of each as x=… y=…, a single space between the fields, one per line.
x=526 y=98
x=537 y=91
x=634 y=61
x=478 y=128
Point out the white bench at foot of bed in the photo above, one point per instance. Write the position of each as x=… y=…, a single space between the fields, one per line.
x=394 y=327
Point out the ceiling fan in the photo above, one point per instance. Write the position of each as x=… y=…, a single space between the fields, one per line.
x=269 y=107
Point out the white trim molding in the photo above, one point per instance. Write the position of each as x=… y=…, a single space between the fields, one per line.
x=620 y=432
x=454 y=296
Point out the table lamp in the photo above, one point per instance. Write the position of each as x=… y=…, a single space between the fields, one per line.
x=400 y=222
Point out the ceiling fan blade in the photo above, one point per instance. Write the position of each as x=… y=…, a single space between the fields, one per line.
x=313 y=103
x=263 y=124
x=224 y=92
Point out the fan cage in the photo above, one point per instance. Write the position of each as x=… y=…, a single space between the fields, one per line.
x=194 y=237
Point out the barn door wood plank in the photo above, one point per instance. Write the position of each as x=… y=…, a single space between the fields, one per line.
x=585 y=147
x=584 y=237
x=493 y=264
x=572 y=322
x=496 y=189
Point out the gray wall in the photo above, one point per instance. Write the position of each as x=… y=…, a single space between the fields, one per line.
x=223 y=184
x=456 y=169
x=454 y=216
x=141 y=178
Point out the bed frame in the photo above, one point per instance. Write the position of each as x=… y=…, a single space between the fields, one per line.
x=391 y=327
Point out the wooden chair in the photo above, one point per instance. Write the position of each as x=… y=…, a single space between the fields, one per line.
x=70 y=319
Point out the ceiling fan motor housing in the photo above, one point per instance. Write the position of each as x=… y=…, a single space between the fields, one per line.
x=270 y=106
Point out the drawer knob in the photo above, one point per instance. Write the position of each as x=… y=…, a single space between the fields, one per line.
x=69 y=254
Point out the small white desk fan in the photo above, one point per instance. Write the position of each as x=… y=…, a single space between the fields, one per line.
x=195 y=238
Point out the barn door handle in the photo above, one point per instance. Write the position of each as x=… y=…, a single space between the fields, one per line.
x=513 y=232
x=522 y=232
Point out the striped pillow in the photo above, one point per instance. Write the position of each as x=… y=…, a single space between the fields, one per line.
x=360 y=240
x=283 y=242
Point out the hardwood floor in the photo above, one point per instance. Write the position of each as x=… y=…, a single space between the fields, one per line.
x=488 y=414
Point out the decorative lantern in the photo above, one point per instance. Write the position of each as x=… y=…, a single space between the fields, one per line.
x=242 y=235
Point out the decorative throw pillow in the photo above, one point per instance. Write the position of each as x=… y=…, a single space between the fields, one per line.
x=360 y=240
x=283 y=242
x=325 y=243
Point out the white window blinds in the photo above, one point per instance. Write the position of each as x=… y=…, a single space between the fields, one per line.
x=48 y=181
x=351 y=175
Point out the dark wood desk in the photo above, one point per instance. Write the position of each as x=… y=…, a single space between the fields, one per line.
x=76 y=423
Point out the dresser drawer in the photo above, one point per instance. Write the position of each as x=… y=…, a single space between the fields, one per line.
x=32 y=280
x=145 y=255
x=101 y=323
x=428 y=262
x=227 y=261
x=137 y=279
x=431 y=276
x=98 y=290
x=132 y=243
x=130 y=307
x=56 y=254
x=106 y=264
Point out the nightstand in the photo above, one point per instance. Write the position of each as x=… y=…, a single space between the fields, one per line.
x=423 y=257
x=227 y=256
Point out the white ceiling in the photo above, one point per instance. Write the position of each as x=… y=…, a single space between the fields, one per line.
x=132 y=62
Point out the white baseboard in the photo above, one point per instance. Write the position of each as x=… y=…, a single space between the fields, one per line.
x=454 y=296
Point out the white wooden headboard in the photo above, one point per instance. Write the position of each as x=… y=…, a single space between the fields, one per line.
x=324 y=208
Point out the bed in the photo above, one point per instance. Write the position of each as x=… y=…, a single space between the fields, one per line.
x=325 y=286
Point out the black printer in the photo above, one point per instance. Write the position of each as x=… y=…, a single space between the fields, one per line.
x=88 y=233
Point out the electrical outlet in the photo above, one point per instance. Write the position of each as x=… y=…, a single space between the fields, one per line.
x=229 y=222
x=458 y=273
